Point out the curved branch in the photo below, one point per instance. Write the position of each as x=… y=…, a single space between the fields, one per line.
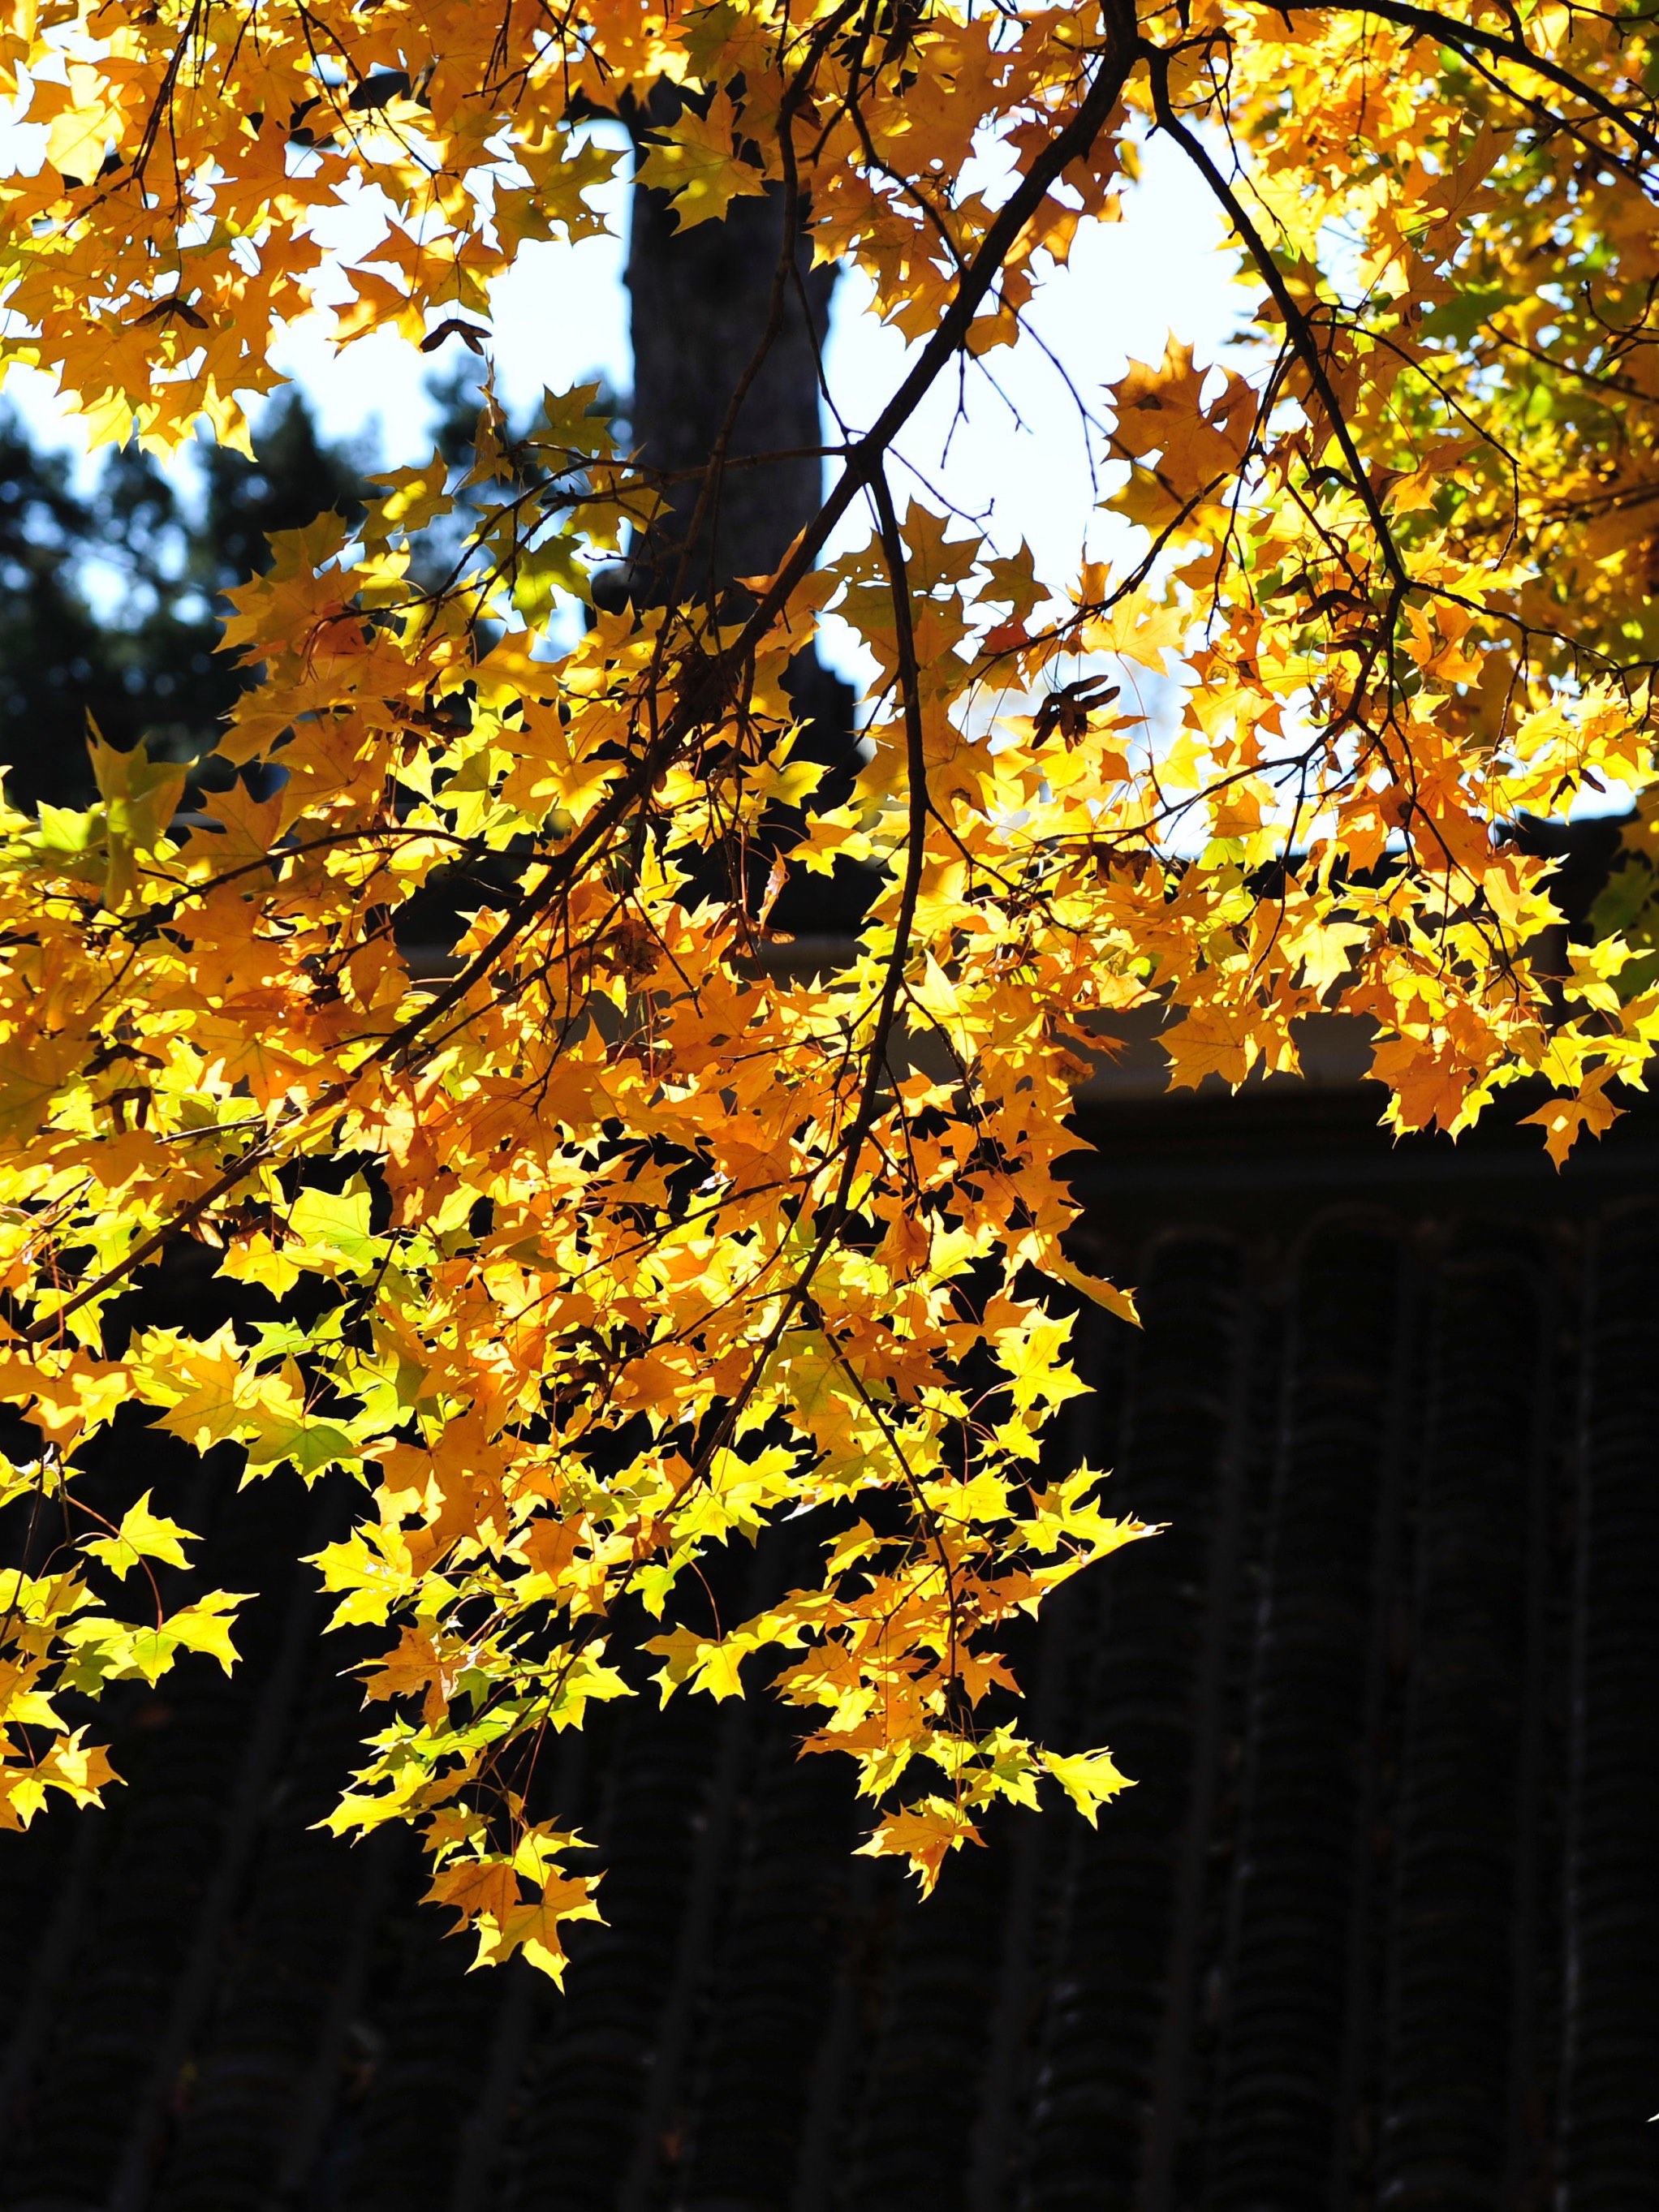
x=1296 y=323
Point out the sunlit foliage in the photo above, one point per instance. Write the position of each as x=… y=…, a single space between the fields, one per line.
x=628 y=1235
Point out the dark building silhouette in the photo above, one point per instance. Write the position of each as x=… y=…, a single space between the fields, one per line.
x=1378 y=1926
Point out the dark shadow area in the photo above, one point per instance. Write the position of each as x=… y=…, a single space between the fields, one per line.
x=1378 y=1925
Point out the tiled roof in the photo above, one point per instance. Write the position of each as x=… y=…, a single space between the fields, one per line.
x=1378 y=1927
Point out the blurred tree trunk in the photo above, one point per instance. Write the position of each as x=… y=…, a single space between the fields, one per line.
x=699 y=305
x=700 y=300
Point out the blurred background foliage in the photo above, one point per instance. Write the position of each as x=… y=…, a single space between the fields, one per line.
x=112 y=581
x=111 y=592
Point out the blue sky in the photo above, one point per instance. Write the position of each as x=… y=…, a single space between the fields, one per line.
x=1018 y=462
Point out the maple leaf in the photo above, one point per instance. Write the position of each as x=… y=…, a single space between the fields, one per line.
x=479 y=1889
x=140 y=796
x=1121 y=1302
x=334 y=1227
x=1564 y=1120
x=103 y=1650
x=708 y=1663
x=243 y=829
x=924 y=1833
x=142 y=1535
x=205 y=1626
x=258 y=1260
x=415 y=497
x=1089 y=1779
x=534 y=1927
x=486 y=1892
x=208 y=1391
x=303 y=1441
x=35 y=1067
x=696 y=162
x=81 y=1770
x=244 y=1055
x=548 y=1546
x=1208 y=1040
x=1162 y=409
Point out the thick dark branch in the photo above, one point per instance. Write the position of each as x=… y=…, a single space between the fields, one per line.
x=1451 y=31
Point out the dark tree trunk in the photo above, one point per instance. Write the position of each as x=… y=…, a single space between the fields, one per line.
x=700 y=307
x=701 y=301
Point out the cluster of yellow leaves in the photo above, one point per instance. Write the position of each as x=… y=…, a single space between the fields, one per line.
x=628 y=1240
x=55 y=1646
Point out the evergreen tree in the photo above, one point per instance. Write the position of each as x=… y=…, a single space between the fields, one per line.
x=112 y=599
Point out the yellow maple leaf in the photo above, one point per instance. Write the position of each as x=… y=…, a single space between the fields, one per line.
x=1208 y=1040
x=1089 y=1779
x=1162 y=409
x=142 y=1535
x=924 y=1833
x=695 y=160
x=1563 y=1120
